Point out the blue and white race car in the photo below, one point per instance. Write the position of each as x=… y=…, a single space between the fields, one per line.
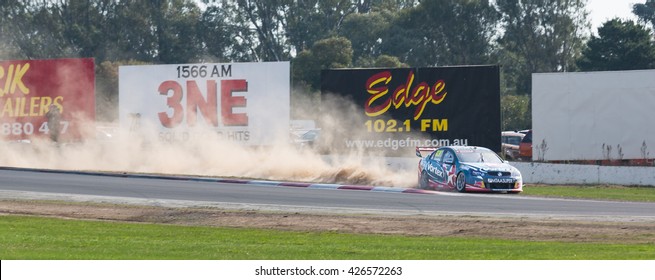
x=466 y=169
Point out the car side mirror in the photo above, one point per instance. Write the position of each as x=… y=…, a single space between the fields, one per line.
x=448 y=161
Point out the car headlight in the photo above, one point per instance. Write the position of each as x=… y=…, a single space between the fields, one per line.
x=477 y=173
x=516 y=173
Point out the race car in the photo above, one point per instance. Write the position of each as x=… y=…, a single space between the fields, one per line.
x=466 y=169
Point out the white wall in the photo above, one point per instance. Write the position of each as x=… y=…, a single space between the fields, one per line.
x=548 y=173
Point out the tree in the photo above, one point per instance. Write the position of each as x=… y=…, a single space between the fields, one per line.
x=84 y=26
x=266 y=20
x=9 y=9
x=176 y=26
x=160 y=31
x=364 y=22
x=220 y=37
x=136 y=39
x=33 y=30
x=382 y=61
x=539 y=36
x=313 y=20
x=515 y=112
x=334 y=52
x=163 y=31
x=443 y=32
x=620 y=45
x=365 y=32
x=645 y=12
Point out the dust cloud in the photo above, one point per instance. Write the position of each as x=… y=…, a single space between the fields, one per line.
x=117 y=149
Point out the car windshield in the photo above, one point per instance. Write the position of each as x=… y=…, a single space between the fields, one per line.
x=310 y=135
x=513 y=140
x=527 y=138
x=478 y=156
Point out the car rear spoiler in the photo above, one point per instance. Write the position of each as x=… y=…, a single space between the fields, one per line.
x=424 y=149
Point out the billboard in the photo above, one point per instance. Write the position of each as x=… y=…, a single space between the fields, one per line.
x=402 y=108
x=28 y=88
x=242 y=102
x=593 y=115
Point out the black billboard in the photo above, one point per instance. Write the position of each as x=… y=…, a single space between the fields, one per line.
x=402 y=108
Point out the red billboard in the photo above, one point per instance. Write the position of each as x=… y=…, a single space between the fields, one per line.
x=35 y=91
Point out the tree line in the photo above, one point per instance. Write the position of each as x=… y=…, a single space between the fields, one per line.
x=524 y=37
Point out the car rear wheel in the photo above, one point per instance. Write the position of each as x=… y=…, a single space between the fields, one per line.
x=423 y=181
x=460 y=184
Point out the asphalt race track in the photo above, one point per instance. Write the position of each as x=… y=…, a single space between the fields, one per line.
x=261 y=195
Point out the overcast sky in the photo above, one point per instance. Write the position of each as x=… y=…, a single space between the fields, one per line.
x=602 y=10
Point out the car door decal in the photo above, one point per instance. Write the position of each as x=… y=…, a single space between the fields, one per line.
x=449 y=176
x=436 y=171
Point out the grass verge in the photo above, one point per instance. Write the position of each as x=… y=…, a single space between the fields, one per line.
x=51 y=238
x=619 y=193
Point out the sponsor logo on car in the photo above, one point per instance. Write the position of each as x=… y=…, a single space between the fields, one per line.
x=437 y=171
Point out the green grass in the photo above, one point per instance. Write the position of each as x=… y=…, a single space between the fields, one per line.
x=51 y=238
x=620 y=193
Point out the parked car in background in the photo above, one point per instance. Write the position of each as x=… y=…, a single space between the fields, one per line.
x=510 y=144
x=304 y=133
x=525 y=147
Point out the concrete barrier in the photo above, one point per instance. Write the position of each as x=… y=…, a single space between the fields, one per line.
x=549 y=173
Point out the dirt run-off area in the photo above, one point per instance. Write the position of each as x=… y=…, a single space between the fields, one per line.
x=514 y=228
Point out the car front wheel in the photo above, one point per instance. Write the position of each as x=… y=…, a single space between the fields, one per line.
x=460 y=184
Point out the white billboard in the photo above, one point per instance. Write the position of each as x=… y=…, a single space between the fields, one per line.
x=243 y=102
x=593 y=115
